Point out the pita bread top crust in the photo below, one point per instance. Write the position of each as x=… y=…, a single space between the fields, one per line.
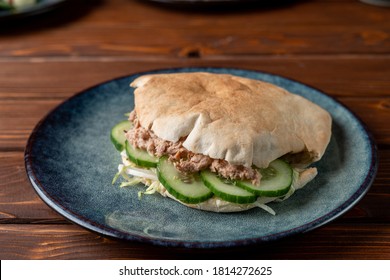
x=227 y=117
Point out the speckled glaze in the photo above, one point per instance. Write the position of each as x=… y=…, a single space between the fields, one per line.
x=70 y=162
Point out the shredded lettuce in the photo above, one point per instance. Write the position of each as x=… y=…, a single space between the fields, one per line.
x=116 y=177
x=295 y=177
x=139 y=172
x=150 y=190
x=290 y=192
x=133 y=176
x=131 y=182
x=265 y=207
x=121 y=172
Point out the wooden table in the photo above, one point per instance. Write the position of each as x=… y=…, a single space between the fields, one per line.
x=341 y=47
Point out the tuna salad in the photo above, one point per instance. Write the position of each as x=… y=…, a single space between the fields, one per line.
x=185 y=161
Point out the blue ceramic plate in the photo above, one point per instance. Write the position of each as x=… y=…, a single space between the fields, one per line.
x=71 y=162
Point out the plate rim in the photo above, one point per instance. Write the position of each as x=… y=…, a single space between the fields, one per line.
x=118 y=234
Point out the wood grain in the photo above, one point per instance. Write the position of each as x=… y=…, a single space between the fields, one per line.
x=18 y=200
x=18 y=118
x=71 y=242
x=321 y=27
x=339 y=76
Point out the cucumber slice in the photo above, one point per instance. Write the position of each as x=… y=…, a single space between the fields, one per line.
x=118 y=136
x=186 y=188
x=140 y=157
x=275 y=180
x=225 y=190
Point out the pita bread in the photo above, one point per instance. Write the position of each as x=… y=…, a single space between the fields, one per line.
x=246 y=122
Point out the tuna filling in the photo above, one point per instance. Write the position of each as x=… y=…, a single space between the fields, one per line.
x=185 y=160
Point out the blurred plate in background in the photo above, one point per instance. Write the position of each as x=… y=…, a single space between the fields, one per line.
x=42 y=6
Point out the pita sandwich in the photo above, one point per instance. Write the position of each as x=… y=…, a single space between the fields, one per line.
x=228 y=133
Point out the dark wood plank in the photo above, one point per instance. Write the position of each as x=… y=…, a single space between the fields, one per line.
x=70 y=242
x=20 y=204
x=339 y=76
x=13 y=113
x=18 y=200
x=372 y=112
x=321 y=27
x=17 y=124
